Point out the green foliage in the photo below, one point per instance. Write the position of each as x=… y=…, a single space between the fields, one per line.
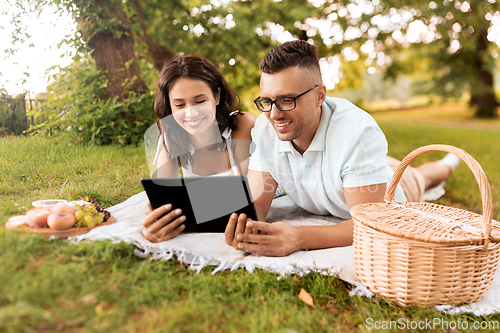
x=234 y=36
x=459 y=59
x=219 y=31
x=78 y=114
x=12 y=115
x=450 y=57
x=148 y=73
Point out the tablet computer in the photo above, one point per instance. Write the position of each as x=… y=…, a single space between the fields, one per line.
x=207 y=202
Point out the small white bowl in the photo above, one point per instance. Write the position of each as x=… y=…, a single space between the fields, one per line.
x=47 y=203
x=78 y=203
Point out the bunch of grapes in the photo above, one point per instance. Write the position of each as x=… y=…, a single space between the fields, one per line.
x=90 y=215
x=100 y=210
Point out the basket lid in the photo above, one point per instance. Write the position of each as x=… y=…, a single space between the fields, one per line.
x=425 y=222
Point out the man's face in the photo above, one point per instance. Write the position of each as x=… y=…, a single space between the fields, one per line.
x=299 y=124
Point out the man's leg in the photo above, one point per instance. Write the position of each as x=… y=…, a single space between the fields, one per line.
x=436 y=172
x=415 y=181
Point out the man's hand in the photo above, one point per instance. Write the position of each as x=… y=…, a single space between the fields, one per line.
x=269 y=239
x=236 y=226
x=280 y=239
x=275 y=239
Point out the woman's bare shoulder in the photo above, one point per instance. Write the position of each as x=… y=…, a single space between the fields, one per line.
x=244 y=124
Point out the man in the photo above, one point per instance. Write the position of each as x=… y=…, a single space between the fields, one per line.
x=325 y=153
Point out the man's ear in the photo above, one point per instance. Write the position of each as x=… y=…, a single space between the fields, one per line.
x=217 y=98
x=321 y=94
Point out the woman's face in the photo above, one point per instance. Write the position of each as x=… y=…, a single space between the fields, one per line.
x=193 y=105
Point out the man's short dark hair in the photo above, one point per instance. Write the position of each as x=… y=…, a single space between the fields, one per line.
x=290 y=54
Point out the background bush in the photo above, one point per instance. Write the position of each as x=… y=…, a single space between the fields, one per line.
x=78 y=113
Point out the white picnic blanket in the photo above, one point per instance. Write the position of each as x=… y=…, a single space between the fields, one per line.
x=209 y=249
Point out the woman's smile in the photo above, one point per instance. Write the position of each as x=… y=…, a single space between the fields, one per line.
x=194 y=123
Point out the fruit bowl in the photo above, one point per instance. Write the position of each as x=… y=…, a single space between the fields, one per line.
x=73 y=231
x=61 y=218
x=48 y=232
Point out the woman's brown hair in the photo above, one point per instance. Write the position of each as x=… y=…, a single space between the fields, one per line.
x=199 y=68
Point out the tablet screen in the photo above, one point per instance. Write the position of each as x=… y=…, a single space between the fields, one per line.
x=207 y=202
x=213 y=197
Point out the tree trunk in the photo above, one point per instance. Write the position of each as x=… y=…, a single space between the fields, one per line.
x=114 y=57
x=111 y=55
x=483 y=93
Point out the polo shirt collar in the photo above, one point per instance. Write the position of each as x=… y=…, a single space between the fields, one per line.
x=318 y=143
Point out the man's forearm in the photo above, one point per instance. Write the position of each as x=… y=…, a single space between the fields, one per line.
x=322 y=237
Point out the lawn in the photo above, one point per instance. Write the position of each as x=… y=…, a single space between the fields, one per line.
x=53 y=285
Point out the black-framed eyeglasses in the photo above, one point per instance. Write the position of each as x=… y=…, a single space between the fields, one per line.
x=283 y=104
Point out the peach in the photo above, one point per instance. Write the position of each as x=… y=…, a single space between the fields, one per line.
x=37 y=218
x=61 y=207
x=15 y=221
x=61 y=221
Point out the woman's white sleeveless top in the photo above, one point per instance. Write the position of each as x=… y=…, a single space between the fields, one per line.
x=188 y=172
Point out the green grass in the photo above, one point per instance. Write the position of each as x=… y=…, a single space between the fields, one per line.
x=449 y=114
x=33 y=169
x=52 y=285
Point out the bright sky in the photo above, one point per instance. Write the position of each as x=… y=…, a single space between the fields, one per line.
x=46 y=32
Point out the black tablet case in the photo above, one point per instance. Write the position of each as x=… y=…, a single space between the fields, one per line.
x=207 y=202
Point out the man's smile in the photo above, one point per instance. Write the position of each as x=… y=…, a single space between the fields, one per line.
x=282 y=124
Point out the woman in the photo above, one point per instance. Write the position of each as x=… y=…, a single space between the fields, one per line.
x=200 y=133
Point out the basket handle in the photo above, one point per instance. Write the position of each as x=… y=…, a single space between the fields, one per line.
x=474 y=166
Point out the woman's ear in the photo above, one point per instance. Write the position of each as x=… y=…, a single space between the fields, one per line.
x=217 y=98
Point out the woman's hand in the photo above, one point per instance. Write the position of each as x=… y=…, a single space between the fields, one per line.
x=162 y=223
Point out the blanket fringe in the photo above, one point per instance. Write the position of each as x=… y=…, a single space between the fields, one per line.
x=360 y=290
x=141 y=254
x=198 y=267
x=203 y=263
x=221 y=267
x=235 y=266
x=456 y=310
x=250 y=267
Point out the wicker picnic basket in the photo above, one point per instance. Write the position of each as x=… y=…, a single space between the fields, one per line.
x=425 y=254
